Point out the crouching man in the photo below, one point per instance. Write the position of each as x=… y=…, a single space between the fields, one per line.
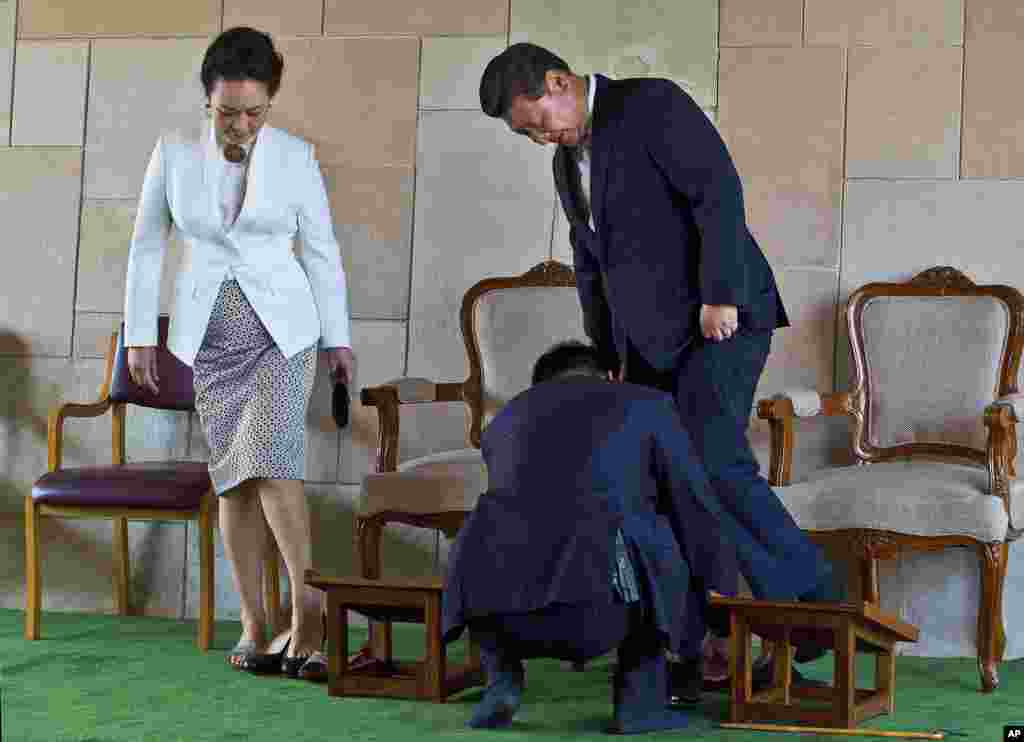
x=573 y=550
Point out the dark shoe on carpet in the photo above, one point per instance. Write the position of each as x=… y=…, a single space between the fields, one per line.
x=264 y=664
x=500 y=701
x=241 y=652
x=686 y=681
x=314 y=668
x=639 y=696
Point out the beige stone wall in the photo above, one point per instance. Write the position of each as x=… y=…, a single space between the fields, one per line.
x=874 y=139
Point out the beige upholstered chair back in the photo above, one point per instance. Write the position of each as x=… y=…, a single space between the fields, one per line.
x=929 y=356
x=507 y=323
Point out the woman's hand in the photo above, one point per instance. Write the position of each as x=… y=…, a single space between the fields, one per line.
x=142 y=368
x=718 y=321
x=341 y=363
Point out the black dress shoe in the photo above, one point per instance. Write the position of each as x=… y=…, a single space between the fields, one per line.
x=686 y=682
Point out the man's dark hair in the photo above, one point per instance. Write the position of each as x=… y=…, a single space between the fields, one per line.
x=569 y=357
x=519 y=70
x=242 y=54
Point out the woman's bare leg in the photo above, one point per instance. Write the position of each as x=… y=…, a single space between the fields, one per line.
x=287 y=512
x=243 y=531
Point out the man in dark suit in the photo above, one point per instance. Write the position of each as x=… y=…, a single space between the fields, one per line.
x=582 y=543
x=676 y=294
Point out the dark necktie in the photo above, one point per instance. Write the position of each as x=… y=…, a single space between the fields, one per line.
x=576 y=179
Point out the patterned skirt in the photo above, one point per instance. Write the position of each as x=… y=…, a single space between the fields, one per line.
x=251 y=400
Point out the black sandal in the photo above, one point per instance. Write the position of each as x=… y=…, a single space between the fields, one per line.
x=243 y=651
x=312 y=667
x=315 y=668
x=265 y=664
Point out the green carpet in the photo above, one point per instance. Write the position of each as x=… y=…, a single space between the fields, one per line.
x=107 y=679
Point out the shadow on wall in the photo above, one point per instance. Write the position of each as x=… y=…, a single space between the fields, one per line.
x=24 y=405
x=19 y=423
x=77 y=565
x=77 y=554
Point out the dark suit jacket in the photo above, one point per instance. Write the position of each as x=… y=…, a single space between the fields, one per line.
x=670 y=230
x=569 y=462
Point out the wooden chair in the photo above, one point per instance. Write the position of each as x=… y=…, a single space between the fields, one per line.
x=935 y=363
x=506 y=324
x=121 y=491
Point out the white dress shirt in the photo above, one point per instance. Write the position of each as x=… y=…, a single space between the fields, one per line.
x=583 y=151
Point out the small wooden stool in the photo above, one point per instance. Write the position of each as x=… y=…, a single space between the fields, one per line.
x=409 y=600
x=847 y=627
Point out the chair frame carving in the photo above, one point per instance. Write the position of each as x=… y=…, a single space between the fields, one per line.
x=388 y=399
x=998 y=458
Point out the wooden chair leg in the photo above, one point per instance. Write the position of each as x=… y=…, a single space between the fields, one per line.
x=337 y=645
x=434 y=665
x=844 y=677
x=368 y=537
x=739 y=667
x=33 y=586
x=990 y=613
x=869 y=580
x=206 y=603
x=782 y=670
x=885 y=677
x=1004 y=563
x=121 y=566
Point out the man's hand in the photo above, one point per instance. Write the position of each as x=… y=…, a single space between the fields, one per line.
x=142 y=367
x=341 y=363
x=618 y=376
x=718 y=321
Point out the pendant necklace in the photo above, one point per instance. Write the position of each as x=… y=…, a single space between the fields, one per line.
x=234 y=153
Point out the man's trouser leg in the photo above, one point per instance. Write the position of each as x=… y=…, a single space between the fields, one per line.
x=714 y=565
x=567 y=632
x=715 y=390
x=640 y=688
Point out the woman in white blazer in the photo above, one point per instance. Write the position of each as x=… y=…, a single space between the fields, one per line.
x=248 y=313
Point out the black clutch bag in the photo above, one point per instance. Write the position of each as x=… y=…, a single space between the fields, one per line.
x=339 y=404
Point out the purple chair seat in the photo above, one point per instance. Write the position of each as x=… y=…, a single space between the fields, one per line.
x=162 y=485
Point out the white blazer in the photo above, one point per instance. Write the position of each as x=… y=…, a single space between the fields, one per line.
x=299 y=297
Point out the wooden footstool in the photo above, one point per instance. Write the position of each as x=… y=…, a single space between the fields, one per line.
x=408 y=600
x=846 y=627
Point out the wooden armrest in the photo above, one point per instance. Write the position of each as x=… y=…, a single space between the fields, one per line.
x=387 y=398
x=1001 y=419
x=55 y=425
x=781 y=406
x=1005 y=410
x=411 y=390
x=780 y=413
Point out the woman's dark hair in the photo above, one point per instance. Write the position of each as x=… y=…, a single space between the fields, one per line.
x=242 y=54
x=569 y=357
x=519 y=70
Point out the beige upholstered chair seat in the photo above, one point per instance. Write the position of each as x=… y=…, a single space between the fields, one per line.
x=914 y=498
x=446 y=482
